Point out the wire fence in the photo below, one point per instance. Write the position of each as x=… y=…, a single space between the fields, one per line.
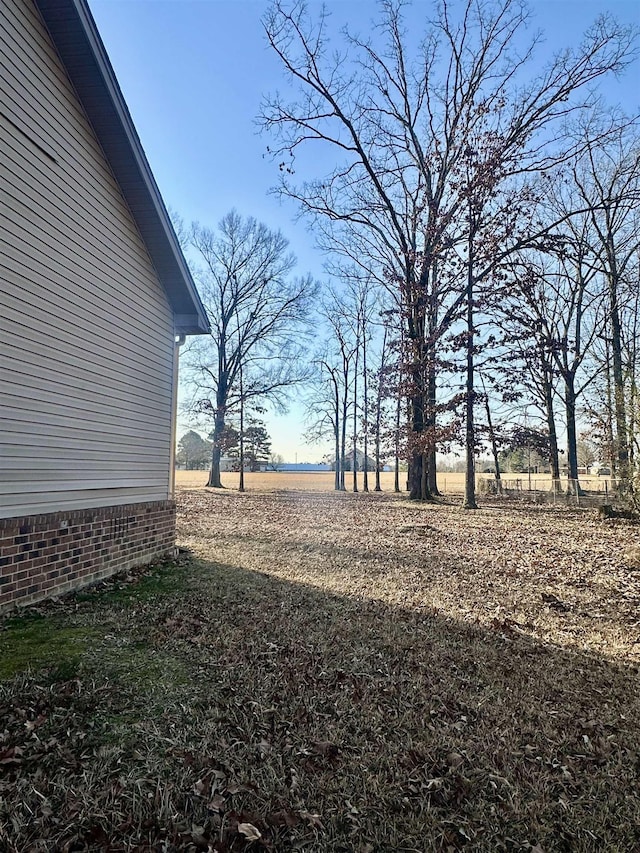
x=585 y=490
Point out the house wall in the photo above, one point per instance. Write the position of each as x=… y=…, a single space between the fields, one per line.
x=87 y=352
x=55 y=553
x=86 y=330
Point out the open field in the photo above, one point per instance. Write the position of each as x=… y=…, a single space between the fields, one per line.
x=336 y=673
x=449 y=484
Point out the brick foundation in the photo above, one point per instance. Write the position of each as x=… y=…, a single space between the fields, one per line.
x=45 y=555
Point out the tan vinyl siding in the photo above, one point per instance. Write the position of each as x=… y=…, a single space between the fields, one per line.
x=86 y=330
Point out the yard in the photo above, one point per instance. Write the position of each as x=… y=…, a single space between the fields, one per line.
x=335 y=672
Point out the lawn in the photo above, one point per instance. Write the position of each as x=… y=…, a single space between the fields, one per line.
x=336 y=672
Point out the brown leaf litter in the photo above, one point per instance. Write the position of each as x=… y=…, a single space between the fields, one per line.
x=339 y=672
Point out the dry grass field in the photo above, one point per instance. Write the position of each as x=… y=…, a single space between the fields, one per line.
x=449 y=484
x=335 y=673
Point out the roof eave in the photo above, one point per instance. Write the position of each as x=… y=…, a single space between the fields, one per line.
x=80 y=47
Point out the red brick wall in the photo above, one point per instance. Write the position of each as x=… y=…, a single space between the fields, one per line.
x=45 y=555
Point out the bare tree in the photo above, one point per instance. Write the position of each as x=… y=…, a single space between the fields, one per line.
x=324 y=407
x=332 y=392
x=631 y=338
x=525 y=365
x=359 y=303
x=563 y=296
x=403 y=127
x=607 y=178
x=259 y=315
x=377 y=409
x=571 y=334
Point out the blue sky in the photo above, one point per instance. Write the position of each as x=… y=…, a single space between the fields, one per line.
x=193 y=73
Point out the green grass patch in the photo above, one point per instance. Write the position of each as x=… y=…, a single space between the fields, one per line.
x=34 y=642
x=157 y=580
x=43 y=638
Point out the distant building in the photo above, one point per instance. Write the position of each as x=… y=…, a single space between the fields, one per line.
x=228 y=464
x=304 y=466
x=93 y=292
x=371 y=462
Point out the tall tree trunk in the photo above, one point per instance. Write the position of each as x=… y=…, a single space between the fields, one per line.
x=632 y=424
x=424 y=478
x=337 y=463
x=613 y=462
x=219 y=420
x=365 y=402
x=396 y=467
x=469 y=501
x=632 y=413
x=432 y=471
x=379 y=393
x=343 y=443
x=355 y=412
x=572 y=435
x=241 y=485
x=554 y=461
x=378 y=487
x=622 y=440
x=417 y=480
x=492 y=439
x=218 y=431
x=216 y=453
x=354 y=464
x=417 y=474
x=336 y=435
x=432 y=479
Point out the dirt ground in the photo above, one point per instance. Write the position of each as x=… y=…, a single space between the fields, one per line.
x=336 y=672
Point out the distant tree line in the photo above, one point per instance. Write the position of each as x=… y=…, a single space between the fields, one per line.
x=194 y=452
x=481 y=214
x=260 y=316
x=482 y=233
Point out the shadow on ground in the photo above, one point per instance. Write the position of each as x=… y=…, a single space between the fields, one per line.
x=234 y=710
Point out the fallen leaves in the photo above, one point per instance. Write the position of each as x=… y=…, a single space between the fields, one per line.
x=340 y=673
x=250 y=832
x=554 y=602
